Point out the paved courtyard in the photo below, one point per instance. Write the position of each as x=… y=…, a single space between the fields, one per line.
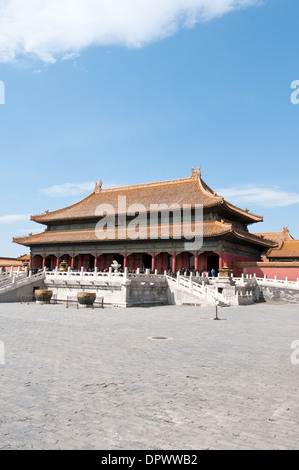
x=92 y=379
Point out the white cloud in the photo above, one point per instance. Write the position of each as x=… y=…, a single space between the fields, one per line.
x=70 y=56
x=48 y=29
x=68 y=189
x=261 y=196
x=13 y=218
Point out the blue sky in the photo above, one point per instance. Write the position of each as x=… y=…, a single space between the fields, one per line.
x=145 y=99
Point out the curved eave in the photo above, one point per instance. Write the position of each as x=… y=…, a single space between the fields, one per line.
x=57 y=216
x=50 y=216
x=42 y=220
x=177 y=231
x=253 y=238
x=247 y=216
x=210 y=230
x=21 y=240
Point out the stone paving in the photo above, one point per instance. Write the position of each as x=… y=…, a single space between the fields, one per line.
x=92 y=379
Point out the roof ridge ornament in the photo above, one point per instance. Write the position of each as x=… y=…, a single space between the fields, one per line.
x=98 y=187
x=196 y=173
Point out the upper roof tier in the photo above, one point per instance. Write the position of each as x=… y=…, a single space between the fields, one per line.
x=192 y=190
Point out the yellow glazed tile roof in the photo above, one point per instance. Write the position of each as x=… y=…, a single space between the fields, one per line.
x=8 y=262
x=210 y=229
x=289 y=249
x=192 y=191
x=278 y=237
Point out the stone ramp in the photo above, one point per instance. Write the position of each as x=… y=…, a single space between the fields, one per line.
x=20 y=288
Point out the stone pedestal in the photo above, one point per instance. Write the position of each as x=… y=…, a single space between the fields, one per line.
x=225 y=273
x=225 y=285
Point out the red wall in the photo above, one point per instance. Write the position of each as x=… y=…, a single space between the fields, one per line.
x=230 y=259
x=291 y=272
x=15 y=268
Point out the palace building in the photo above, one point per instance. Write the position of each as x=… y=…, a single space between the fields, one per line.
x=70 y=233
x=14 y=263
x=287 y=249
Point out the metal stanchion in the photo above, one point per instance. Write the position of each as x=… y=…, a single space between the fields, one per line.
x=216 y=318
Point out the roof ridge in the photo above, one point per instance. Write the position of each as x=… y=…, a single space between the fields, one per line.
x=142 y=185
x=276 y=233
x=207 y=190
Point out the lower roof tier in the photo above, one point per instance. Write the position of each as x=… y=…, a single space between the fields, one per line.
x=176 y=231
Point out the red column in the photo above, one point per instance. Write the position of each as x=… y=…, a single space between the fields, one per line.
x=133 y=262
x=57 y=261
x=180 y=261
x=153 y=261
x=196 y=261
x=174 y=262
x=228 y=260
x=44 y=261
x=96 y=261
x=220 y=259
x=159 y=263
x=73 y=261
x=165 y=262
x=187 y=260
x=160 y=266
x=202 y=262
x=30 y=262
x=125 y=260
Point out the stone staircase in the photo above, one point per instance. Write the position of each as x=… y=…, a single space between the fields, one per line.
x=189 y=290
x=15 y=286
x=8 y=277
